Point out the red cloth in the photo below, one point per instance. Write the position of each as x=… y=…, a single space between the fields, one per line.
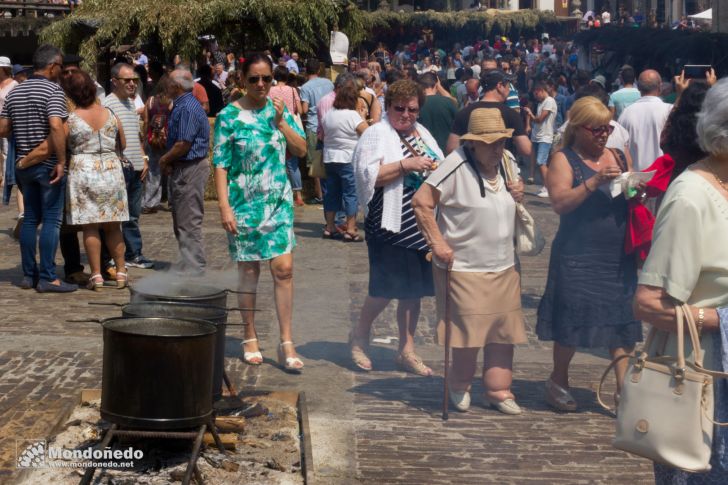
x=640 y=221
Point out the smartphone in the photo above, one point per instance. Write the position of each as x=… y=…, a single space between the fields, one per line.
x=695 y=71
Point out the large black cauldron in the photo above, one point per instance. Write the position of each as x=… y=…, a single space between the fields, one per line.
x=214 y=315
x=157 y=372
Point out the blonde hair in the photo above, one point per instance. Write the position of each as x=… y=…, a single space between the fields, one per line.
x=584 y=112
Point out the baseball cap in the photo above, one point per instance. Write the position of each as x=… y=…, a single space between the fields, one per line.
x=5 y=62
x=601 y=80
x=490 y=78
x=17 y=69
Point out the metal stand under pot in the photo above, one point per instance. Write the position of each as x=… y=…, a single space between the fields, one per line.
x=157 y=382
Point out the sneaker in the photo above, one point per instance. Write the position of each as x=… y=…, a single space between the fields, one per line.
x=48 y=287
x=140 y=262
x=316 y=200
x=18 y=226
x=543 y=193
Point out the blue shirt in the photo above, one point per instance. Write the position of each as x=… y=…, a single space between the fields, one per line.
x=311 y=93
x=188 y=122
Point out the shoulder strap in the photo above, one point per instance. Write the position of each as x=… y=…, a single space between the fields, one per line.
x=575 y=162
x=620 y=158
x=409 y=146
x=295 y=106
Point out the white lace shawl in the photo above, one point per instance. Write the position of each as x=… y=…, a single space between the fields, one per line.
x=380 y=144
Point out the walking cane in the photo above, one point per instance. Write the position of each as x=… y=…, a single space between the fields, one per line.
x=446 y=385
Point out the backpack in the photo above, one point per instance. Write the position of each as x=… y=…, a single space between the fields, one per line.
x=157 y=133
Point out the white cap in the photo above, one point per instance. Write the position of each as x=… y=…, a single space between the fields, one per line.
x=5 y=62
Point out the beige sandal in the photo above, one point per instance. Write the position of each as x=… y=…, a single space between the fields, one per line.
x=122 y=279
x=410 y=362
x=359 y=356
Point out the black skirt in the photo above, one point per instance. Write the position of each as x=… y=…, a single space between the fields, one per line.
x=398 y=273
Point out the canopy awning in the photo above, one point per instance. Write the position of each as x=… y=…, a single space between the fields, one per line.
x=705 y=15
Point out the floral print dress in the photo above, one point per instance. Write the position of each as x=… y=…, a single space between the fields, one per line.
x=95 y=191
x=253 y=151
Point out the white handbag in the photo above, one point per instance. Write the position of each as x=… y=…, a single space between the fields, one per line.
x=665 y=410
x=528 y=239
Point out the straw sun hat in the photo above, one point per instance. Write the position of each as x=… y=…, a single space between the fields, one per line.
x=486 y=125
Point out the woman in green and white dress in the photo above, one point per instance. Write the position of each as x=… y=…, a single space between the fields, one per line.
x=255 y=199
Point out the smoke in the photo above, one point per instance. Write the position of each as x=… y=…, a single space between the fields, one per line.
x=166 y=282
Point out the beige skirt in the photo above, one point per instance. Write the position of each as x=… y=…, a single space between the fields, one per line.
x=484 y=308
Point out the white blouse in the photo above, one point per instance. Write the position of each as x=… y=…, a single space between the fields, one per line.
x=688 y=258
x=478 y=229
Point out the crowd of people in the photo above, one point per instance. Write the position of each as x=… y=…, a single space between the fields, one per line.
x=421 y=141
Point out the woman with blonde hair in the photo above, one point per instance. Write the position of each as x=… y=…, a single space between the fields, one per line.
x=591 y=281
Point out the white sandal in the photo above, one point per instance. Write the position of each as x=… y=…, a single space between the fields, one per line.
x=289 y=364
x=252 y=358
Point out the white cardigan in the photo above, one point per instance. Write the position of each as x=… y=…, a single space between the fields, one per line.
x=380 y=144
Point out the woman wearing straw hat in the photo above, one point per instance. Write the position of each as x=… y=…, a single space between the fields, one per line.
x=484 y=289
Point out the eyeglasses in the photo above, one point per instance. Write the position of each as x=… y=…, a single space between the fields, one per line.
x=403 y=109
x=127 y=80
x=256 y=79
x=600 y=130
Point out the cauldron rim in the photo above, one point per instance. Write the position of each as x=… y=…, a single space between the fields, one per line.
x=204 y=327
x=215 y=292
x=216 y=311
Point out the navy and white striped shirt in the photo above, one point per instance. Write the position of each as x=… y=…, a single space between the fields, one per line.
x=409 y=235
x=29 y=106
x=188 y=122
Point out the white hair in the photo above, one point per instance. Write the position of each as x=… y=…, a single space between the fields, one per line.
x=712 y=126
x=183 y=79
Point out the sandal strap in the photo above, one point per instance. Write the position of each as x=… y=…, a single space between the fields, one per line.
x=250 y=340
x=287 y=342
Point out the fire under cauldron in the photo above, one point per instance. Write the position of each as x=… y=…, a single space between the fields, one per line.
x=157 y=372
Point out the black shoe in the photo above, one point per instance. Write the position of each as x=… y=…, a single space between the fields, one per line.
x=27 y=283
x=316 y=200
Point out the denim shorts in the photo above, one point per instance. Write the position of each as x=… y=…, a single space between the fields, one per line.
x=542 y=150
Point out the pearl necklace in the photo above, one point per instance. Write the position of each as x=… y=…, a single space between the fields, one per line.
x=494 y=183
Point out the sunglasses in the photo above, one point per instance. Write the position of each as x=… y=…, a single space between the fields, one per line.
x=403 y=109
x=127 y=79
x=600 y=130
x=256 y=79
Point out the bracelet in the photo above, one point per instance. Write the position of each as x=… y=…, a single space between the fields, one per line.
x=401 y=167
x=701 y=320
x=588 y=190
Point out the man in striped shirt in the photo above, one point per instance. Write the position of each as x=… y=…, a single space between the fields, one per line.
x=34 y=111
x=121 y=102
x=187 y=165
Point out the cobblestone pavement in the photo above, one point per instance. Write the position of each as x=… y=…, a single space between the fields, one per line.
x=382 y=427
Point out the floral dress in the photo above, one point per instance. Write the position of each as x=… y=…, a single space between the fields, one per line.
x=95 y=191
x=253 y=151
